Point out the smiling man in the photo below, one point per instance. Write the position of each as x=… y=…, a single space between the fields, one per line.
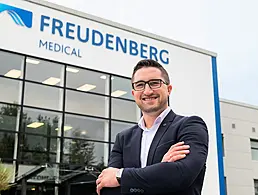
x=153 y=157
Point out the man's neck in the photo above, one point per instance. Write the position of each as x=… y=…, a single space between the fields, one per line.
x=149 y=118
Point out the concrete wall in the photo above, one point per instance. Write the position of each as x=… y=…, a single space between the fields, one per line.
x=240 y=169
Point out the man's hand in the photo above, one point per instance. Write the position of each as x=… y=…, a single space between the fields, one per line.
x=176 y=152
x=107 y=178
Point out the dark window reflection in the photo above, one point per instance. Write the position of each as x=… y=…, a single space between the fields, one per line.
x=41 y=122
x=85 y=152
x=86 y=127
x=6 y=145
x=38 y=149
x=8 y=117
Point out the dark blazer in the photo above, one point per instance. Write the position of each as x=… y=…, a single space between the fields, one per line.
x=183 y=177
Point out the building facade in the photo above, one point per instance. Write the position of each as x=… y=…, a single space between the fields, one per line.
x=60 y=115
x=240 y=140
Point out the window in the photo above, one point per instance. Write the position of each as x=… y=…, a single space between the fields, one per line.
x=44 y=72
x=37 y=149
x=88 y=104
x=223 y=145
x=79 y=151
x=43 y=96
x=10 y=90
x=8 y=117
x=233 y=126
x=117 y=127
x=11 y=65
x=125 y=110
x=253 y=129
x=121 y=87
x=225 y=183
x=256 y=186
x=85 y=80
x=41 y=122
x=86 y=128
x=6 y=145
x=254 y=149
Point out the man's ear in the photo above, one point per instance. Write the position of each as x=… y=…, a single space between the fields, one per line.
x=170 y=89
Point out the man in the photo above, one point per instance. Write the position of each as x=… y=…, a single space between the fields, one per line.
x=142 y=160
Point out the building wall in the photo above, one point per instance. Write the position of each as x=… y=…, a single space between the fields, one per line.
x=239 y=124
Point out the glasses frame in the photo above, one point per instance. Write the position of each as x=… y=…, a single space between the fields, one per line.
x=148 y=82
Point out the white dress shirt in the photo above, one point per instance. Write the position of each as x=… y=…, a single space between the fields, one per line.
x=148 y=135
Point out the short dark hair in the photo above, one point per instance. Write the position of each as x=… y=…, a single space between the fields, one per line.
x=151 y=63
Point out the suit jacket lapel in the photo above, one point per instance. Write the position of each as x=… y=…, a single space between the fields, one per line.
x=159 y=134
x=136 y=147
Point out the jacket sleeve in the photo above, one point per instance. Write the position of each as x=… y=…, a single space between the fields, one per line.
x=115 y=160
x=172 y=176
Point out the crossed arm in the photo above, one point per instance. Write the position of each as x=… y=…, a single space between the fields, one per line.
x=175 y=175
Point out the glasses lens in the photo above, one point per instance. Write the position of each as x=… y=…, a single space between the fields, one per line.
x=154 y=84
x=139 y=86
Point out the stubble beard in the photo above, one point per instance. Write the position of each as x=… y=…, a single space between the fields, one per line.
x=154 y=108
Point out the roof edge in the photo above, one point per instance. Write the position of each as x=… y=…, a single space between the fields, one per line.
x=239 y=103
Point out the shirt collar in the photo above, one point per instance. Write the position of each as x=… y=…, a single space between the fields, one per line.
x=158 y=120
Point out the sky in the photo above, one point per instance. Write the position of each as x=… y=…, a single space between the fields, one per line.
x=228 y=28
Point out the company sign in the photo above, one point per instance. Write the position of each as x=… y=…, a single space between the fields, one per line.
x=82 y=34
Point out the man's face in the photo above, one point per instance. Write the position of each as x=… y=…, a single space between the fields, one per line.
x=151 y=100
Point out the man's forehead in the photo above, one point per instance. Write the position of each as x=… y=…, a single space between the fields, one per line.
x=147 y=73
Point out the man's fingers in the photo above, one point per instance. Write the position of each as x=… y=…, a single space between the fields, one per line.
x=177 y=144
x=176 y=148
x=177 y=157
x=99 y=187
x=179 y=152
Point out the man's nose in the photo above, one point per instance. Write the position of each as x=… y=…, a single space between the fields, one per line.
x=147 y=90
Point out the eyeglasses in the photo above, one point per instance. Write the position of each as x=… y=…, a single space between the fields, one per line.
x=153 y=84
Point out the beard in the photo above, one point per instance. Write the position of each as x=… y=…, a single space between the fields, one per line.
x=159 y=106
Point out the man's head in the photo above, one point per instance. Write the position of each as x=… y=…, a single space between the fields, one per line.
x=151 y=86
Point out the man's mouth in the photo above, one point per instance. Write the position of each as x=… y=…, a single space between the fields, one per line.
x=149 y=98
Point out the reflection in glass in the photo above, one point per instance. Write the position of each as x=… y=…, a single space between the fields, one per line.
x=41 y=122
x=86 y=80
x=43 y=96
x=45 y=72
x=87 y=104
x=8 y=117
x=37 y=149
x=125 y=110
x=6 y=145
x=86 y=128
x=11 y=65
x=85 y=152
x=121 y=87
x=117 y=127
x=10 y=90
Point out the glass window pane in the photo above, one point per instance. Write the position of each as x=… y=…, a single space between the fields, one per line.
x=86 y=128
x=45 y=72
x=36 y=149
x=85 y=152
x=117 y=127
x=7 y=145
x=87 y=104
x=10 y=90
x=254 y=153
x=86 y=80
x=11 y=65
x=41 y=122
x=8 y=117
x=256 y=187
x=125 y=110
x=254 y=144
x=43 y=96
x=121 y=87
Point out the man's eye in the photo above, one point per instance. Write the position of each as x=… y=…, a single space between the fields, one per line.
x=139 y=85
